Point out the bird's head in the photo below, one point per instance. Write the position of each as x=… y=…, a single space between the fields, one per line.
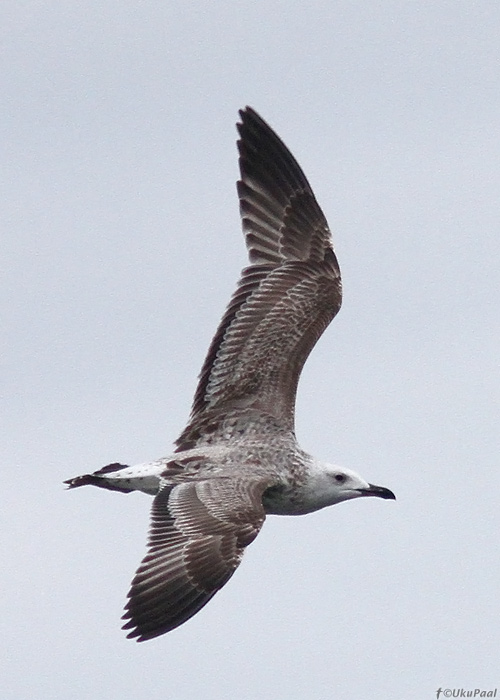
x=329 y=484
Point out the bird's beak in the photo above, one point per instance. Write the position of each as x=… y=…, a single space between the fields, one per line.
x=379 y=491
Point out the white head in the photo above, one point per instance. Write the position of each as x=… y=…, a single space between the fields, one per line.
x=329 y=484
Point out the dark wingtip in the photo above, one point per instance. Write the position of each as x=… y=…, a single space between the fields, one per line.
x=135 y=632
x=246 y=110
x=249 y=117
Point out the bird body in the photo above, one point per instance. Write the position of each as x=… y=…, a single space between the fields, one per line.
x=238 y=460
x=297 y=483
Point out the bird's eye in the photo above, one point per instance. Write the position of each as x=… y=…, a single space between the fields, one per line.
x=339 y=478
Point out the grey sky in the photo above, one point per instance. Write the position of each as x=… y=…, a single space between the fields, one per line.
x=122 y=244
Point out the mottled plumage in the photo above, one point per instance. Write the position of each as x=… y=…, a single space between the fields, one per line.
x=237 y=459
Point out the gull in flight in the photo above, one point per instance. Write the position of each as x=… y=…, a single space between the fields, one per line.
x=238 y=459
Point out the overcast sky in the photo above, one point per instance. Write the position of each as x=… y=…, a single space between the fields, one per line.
x=121 y=246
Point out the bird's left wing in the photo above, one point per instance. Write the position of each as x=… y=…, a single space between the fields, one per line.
x=198 y=534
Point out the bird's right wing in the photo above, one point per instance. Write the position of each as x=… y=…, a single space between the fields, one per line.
x=285 y=299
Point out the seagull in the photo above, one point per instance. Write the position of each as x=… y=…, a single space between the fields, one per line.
x=238 y=459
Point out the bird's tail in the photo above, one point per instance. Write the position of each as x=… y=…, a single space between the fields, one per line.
x=99 y=479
